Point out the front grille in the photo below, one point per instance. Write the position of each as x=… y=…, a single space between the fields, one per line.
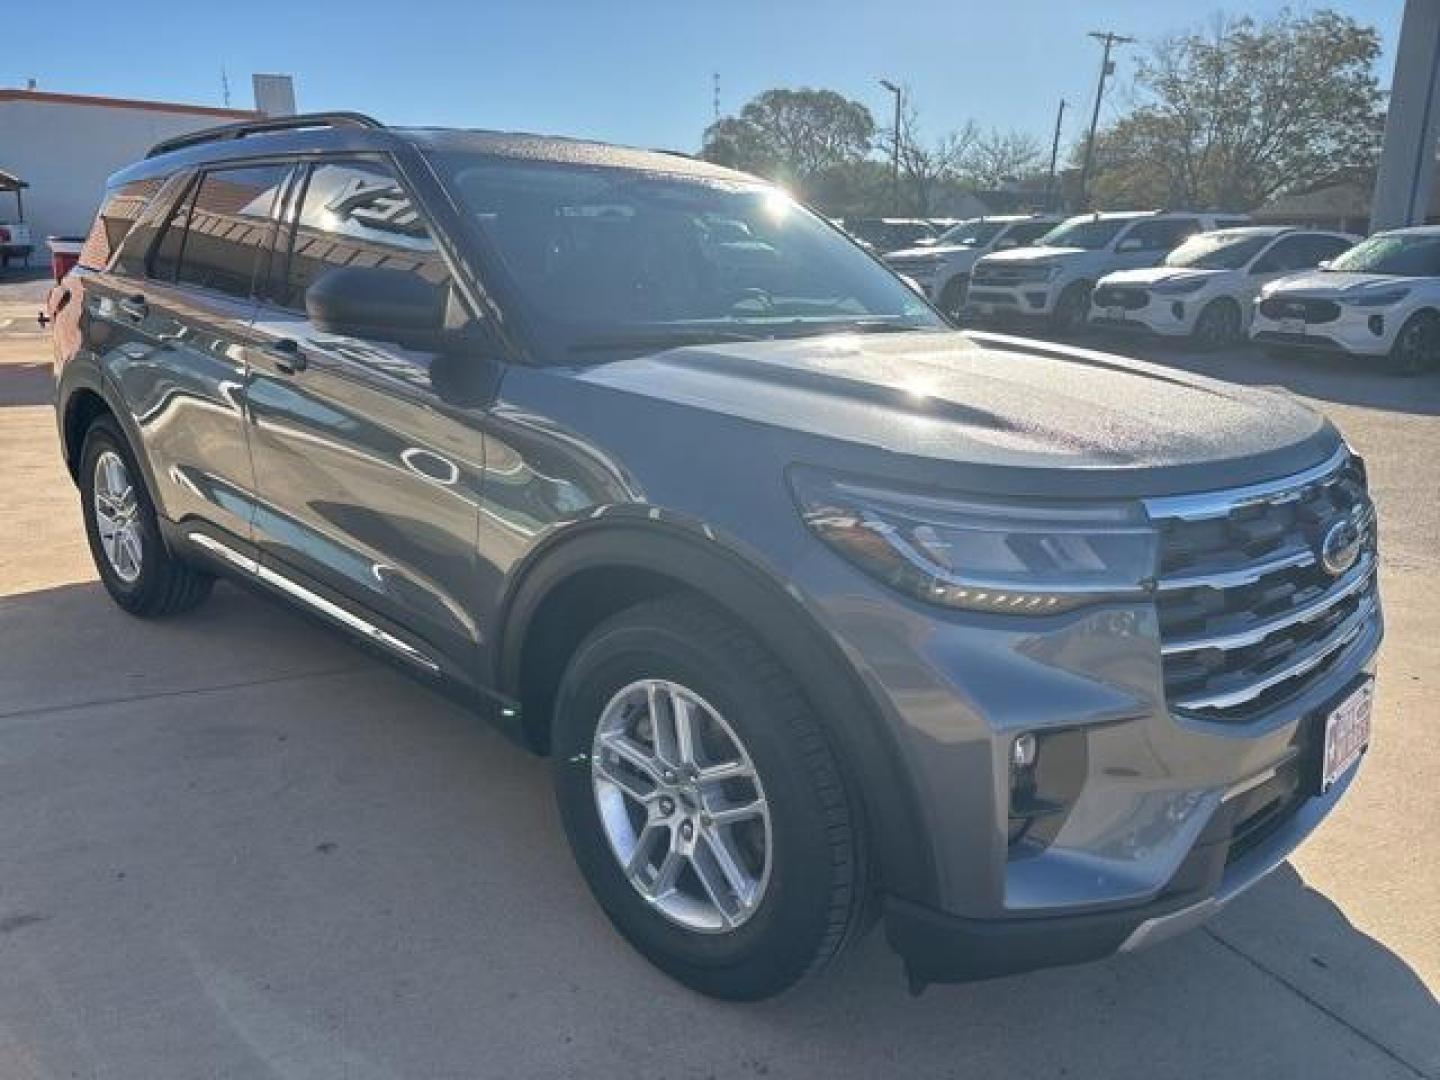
x=1009 y=275
x=1117 y=296
x=1249 y=613
x=1300 y=307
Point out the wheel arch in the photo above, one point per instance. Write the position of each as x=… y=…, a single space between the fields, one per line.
x=601 y=567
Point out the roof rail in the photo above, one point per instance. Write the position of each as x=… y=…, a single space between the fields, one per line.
x=263 y=126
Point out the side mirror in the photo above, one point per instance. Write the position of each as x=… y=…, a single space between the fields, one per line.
x=1131 y=243
x=378 y=305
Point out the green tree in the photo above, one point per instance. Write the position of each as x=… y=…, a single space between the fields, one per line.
x=793 y=136
x=1231 y=115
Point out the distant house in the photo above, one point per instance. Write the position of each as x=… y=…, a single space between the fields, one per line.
x=63 y=146
x=1340 y=202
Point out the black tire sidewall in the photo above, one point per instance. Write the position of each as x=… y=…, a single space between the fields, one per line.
x=1211 y=311
x=104 y=435
x=1071 y=310
x=1397 y=361
x=777 y=943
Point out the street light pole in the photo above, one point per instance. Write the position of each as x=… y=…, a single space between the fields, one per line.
x=894 y=149
x=1054 y=156
x=1110 y=40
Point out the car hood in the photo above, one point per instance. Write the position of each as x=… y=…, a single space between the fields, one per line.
x=989 y=412
x=1036 y=254
x=1332 y=284
x=1158 y=275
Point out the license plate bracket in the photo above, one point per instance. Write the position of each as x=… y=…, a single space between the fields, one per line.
x=1343 y=734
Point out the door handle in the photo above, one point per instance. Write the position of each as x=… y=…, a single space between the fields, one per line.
x=135 y=307
x=286 y=356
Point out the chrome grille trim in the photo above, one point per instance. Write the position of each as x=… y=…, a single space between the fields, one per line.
x=1248 y=616
x=1344 y=587
x=1344 y=634
x=1216 y=504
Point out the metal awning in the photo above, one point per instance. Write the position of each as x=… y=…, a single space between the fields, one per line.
x=11 y=182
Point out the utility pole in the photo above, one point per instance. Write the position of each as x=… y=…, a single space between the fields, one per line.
x=1054 y=155
x=894 y=150
x=224 y=86
x=1107 y=67
x=715 y=93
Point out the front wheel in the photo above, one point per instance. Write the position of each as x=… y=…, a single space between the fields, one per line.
x=1217 y=326
x=1417 y=346
x=704 y=803
x=1072 y=309
x=952 y=297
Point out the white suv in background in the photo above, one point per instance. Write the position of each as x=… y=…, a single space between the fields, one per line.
x=1379 y=299
x=942 y=269
x=1205 y=289
x=1053 y=279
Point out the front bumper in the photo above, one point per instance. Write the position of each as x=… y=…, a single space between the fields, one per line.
x=940 y=947
x=1354 y=332
x=1163 y=316
x=1020 y=301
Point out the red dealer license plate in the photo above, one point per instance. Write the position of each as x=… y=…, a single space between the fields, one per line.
x=1347 y=734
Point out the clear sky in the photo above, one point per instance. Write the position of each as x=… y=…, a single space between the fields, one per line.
x=637 y=72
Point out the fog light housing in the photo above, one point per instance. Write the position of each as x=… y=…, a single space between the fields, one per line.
x=1047 y=772
x=1376 y=323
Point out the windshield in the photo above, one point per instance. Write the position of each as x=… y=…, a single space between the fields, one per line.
x=1218 y=251
x=1087 y=232
x=599 y=257
x=1393 y=253
x=971 y=233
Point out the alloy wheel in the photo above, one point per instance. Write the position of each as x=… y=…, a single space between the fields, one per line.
x=682 y=806
x=117 y=517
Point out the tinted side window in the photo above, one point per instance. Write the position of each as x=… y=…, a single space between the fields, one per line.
x=228 y=227
x=165 y=259
x=356 y=213
x=1164 y=234
x=1288 y=253
x=118 y=214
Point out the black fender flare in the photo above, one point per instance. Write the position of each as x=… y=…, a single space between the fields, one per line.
x=696 y=558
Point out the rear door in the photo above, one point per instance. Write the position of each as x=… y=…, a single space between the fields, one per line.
x=171 y=322
x=368 y=470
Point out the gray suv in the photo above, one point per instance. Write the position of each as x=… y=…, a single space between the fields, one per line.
x=824 y=612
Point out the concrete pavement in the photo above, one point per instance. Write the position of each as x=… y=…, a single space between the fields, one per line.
x=232 y=845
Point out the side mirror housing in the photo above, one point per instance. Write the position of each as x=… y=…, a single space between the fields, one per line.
x=379 y=305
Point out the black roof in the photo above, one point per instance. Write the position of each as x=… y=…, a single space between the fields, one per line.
x=332 y=132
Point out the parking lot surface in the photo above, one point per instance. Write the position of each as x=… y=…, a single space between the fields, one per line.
x=232 y=845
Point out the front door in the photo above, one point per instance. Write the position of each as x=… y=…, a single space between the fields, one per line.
x=368 y=472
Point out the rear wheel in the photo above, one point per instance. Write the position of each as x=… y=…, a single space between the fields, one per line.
x=136 y=568
x=1072 y=309
x=1417 y=346
x=704 y=803
x=1217 y=327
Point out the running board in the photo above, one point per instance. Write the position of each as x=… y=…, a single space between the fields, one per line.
x=313 y=600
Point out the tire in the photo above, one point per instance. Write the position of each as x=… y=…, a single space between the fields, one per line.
x=1072 y=309
x=1417 y=346
x=952 y=297
x=805 y=859
x=1217 y=327
x=143 y=577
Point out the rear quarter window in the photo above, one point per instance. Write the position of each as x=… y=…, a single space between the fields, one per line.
x=119 y=211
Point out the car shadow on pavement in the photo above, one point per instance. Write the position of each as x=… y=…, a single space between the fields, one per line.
x=304 y=864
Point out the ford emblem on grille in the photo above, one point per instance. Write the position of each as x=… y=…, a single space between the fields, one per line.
x=1340 y=546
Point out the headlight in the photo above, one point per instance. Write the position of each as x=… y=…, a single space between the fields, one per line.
x=981 y=555
x=1375 y=299
x=1179 y=286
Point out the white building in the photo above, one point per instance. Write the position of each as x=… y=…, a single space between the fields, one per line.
x=65 y=145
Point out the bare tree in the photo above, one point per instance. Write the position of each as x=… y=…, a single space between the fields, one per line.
x=925 y=167
x=998 y=157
